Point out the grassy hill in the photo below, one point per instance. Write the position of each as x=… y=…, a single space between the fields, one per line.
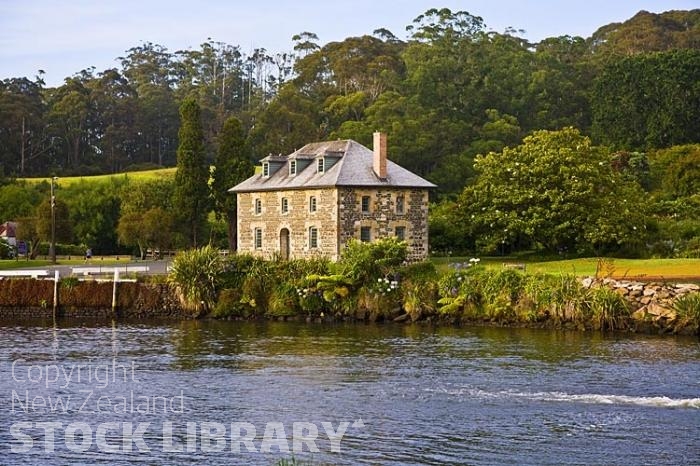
x=137 y=176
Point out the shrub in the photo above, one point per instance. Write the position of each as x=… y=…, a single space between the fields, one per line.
x=609 y=310
x=283 y=300
x=364 y=263
x=196 y=274
x=258 y=284
x=229 y=304
x=687 y=308
x=418 y=296
x=568 y=300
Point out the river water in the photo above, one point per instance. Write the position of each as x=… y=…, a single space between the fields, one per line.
x=359 y=394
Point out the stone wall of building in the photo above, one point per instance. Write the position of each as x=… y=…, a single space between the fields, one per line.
x=383 y=217
x=297 y=221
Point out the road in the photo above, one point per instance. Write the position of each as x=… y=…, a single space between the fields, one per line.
x=158 y=267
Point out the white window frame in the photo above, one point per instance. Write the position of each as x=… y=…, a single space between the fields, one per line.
x=313 y=204
x=292 y=167
x=258 y=206
x=257 y=238
x=362 y=204
x=313 y=237
x=266 y=169
x=284 y=207
x=320 y=165
x=369 y=234
x=400 y=204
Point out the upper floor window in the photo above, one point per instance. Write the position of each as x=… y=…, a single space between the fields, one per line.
x=320 y=165
x=285 y=205
x=313 y=237
x=400 y=233
x=258 y=238
x=258 y=207
x=365 y=204
x=266 y=169
x=399 y=204
x=292 y=167
x=365 y=234
x=312 y=204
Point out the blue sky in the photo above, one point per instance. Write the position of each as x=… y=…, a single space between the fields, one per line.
x=64 y=37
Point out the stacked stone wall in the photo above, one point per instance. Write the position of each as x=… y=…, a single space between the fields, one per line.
x=649 y=302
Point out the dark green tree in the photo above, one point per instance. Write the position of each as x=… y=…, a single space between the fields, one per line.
x=232 y=165
x=191 y=200
x=556 y=191
x=648 y=101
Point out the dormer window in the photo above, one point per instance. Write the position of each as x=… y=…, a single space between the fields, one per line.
x=319 y=165
x=292 y=167
x=266 y=169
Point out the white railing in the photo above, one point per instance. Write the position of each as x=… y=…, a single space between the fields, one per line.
x=24 y=273
x=111 y=270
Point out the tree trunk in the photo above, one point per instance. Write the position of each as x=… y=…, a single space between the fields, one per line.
x=22 y=148
x=232 y=222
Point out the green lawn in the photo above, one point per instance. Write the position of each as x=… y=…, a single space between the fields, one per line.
x=606 y=267
x=138 y=176
x=39 y=263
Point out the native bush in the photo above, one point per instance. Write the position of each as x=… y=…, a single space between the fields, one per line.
x=196 y=275
x=568 y=300
x=258 y=284
x=687 y=308
x=461 y=291
x=536 y=298
x=283 y=300
x=364 y=263
x=608 y=309
x=229 y=304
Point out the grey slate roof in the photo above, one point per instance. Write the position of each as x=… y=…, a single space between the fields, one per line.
x=353 y=168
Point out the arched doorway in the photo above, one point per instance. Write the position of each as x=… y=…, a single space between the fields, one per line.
x=284 y=243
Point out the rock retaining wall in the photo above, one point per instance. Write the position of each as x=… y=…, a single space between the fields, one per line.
x=649 y=302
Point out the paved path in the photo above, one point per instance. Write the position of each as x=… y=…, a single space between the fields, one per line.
x=154 y=267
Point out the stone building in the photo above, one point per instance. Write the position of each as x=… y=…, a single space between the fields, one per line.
x=311 y=202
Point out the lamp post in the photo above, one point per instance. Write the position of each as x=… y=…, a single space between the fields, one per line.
x=52 y=251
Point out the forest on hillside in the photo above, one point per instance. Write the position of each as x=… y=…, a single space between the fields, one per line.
x=457 y=101
x=447 y=92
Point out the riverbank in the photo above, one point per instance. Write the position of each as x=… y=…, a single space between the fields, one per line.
x=592 y=304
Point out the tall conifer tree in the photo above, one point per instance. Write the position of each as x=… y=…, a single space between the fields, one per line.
x=232 y=165
x=191 y=200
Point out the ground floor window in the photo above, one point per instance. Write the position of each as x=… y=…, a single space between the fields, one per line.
x=258 y=238
x=313 y=237
x=400 y=233
x=365 y=234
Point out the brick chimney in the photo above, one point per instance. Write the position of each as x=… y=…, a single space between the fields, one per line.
x=380 y=155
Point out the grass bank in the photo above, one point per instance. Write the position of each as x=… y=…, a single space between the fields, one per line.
x=145 y=175
x=650 y=269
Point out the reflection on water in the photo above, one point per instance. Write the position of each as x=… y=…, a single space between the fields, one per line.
x=425 y=395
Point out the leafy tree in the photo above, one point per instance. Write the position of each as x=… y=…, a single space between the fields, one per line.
x=18 y=199
x=648 y=101
x=26 y=231
x=24 y=135
x=647 y=32
x=556 y=191
x=94 y=213
x=191 y=199
x=232 y=165
x=140 y=196
x=152 y=229
x=64 y=225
